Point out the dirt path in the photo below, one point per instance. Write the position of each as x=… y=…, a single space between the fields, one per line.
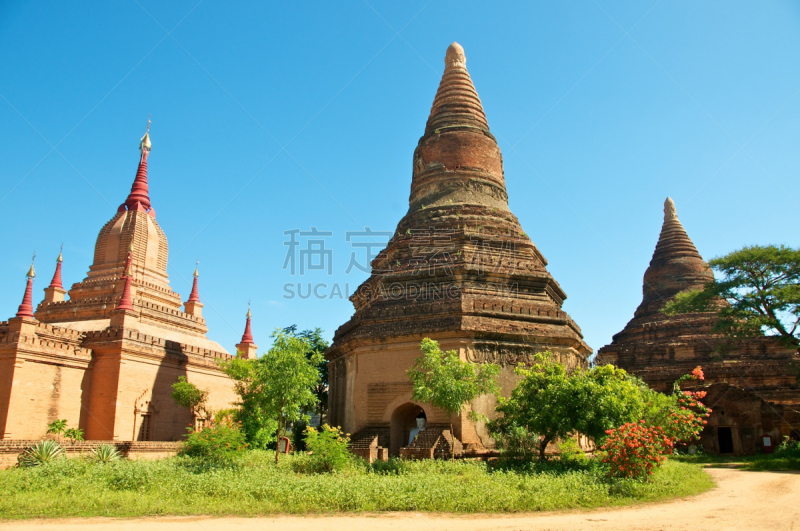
x=742 y=500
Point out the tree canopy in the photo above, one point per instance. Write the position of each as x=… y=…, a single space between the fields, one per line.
x=279 y=386
x=448 y=382
x=317 y=345
x=188 y=395
x=761 y=285
x=553 y=403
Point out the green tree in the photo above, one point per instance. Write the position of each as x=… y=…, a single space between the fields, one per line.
x=191 y=397
x=57 y=428
x=449 y=383
x=553 y=403
x=259 y=429
x=279 y=385
x=761 y=285
x=317 y=345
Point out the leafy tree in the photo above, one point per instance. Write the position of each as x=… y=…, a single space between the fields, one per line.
x=191 y=397
x=317 y=345
x=259 y=429
x=449 y=383
x=553 y=403
x=279 y=385
x=761 y=285
x=57 y=428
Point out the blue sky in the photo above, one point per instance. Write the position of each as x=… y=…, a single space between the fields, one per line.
x=269 y=117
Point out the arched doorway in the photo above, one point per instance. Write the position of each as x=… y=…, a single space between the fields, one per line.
x=404 y=419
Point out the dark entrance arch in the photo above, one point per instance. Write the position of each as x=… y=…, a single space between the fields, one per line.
x=404 y=419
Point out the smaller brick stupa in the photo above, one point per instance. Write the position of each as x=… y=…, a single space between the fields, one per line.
x=751 y=383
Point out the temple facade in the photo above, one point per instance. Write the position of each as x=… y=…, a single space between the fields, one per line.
x=105 y=354
x=460 y=270
x=752 y=384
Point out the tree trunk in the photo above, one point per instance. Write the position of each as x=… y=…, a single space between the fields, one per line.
x=278 y=439
x=453 y=436
x=543 y=446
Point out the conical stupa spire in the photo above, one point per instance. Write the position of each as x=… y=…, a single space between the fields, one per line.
x=194 y=296
x=247 y=337
x=56 y=282
x=457 y=104
x=676 y=265
x=457 y=161
x=139 y=199
x=26 y=308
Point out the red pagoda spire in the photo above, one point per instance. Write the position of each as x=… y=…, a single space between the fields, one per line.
x=247 y=337
x=26 y=308
x=56 y=282
x=194 y=296
x=126 y=301
x=139 y=199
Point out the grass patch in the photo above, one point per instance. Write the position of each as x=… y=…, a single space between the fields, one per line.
x=780 y=461
x=254 y=485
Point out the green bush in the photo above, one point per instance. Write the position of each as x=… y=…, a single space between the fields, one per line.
x=41 y=453
x=104 y=454
x=328 y=448
x=219 y=442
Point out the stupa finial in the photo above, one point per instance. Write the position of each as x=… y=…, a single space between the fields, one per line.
x=669 y=209
x=455 y=57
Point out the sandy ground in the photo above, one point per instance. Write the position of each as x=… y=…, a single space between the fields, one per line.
x=742 y=500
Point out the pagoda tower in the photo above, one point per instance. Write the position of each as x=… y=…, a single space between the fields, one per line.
x=751 y=383
x=105 y=358
x=458 y=269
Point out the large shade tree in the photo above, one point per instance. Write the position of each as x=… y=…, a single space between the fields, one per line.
x=761 y=285
x=553 y=403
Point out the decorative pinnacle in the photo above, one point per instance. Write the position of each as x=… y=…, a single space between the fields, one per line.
x=61 y=253
x=669 y=209
x=196 y=274
x=31 y=272
x=455 y=57
x=145 y=142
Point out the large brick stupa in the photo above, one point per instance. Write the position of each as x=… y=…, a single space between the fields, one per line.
x=458 y=269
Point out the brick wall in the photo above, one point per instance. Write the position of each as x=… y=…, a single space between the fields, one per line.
x=9 y=450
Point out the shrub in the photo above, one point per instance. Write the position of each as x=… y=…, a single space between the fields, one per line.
x=328 y=448
x=571 y=453
x=104 y=454
x=634 y=450
x=74 y=434
x=788 y=448
x=41 y=453
x=517 y=442
x=219 y=442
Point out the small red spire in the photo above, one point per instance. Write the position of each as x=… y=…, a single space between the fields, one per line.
x=126 y=302
x=56 y=282
x=247 y=337
x=139 y=199
x=194 y=297
x=26 y=308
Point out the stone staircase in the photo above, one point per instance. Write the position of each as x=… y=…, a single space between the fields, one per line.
x=435 y=442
